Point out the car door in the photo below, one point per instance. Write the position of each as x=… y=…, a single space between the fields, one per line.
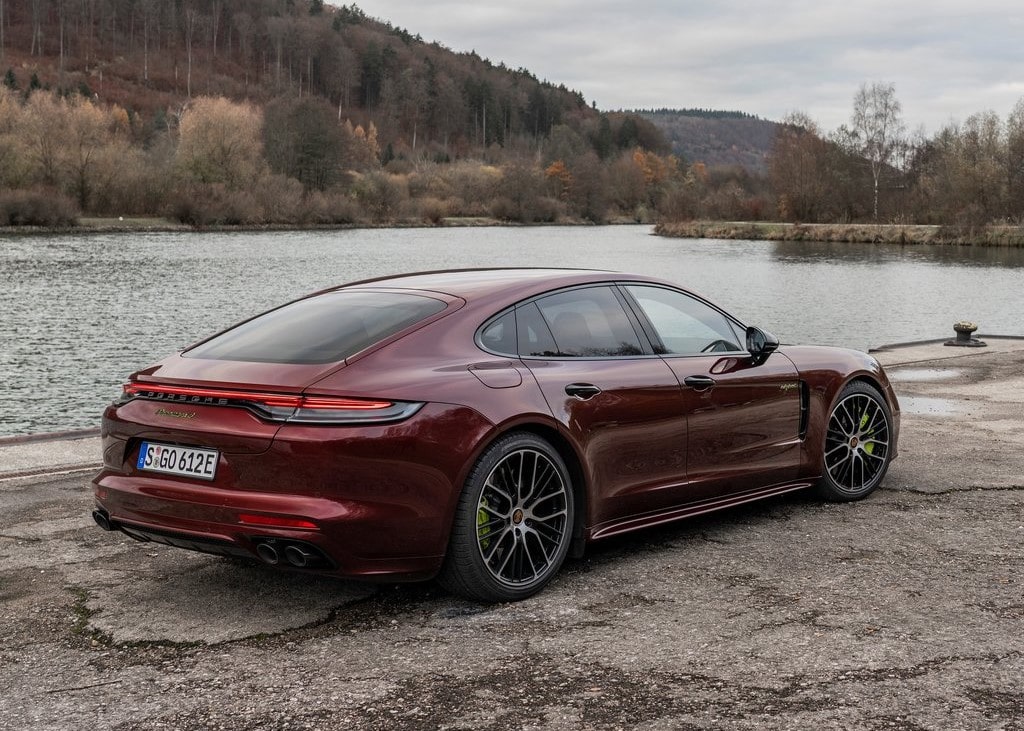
x=618 y=401
x=744 y=416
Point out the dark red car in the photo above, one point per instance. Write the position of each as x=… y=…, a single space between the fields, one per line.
x=479 y=426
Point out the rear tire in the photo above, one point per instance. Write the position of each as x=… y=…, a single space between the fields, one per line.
x=513 y=524
x=858 y=444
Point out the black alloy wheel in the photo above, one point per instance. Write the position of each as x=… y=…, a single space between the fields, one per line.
x=857 y=444
x=514 y=522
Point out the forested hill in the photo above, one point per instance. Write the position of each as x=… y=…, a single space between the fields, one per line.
x=716 y=137
x=150 y=56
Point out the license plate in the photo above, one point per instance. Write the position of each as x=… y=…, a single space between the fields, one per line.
x=174 y=460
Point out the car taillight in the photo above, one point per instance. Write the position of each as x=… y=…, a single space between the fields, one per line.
x=326 y=410
x=291 y=408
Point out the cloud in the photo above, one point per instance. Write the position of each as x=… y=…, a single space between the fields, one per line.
x=948 y=59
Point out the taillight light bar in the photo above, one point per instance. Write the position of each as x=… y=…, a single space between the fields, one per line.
x=293 y=408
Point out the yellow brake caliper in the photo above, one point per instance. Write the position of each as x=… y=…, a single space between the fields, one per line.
x=482 y=529
x=869 y=447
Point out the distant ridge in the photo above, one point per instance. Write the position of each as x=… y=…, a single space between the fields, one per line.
x=695 y=112
x=716 y=137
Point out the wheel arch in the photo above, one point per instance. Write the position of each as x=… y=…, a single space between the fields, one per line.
x=822 y=394
x=565 y=449
x=577 y=475
x=865 y=378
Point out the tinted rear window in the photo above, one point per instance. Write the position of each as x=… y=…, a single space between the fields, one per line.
x=322 y=329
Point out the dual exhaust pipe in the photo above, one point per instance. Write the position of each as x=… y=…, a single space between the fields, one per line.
x=274 y=552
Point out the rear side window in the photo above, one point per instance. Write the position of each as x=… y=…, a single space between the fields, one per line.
x=500 y=335
x=322 y=329
x=534 y=336
x=589 y=323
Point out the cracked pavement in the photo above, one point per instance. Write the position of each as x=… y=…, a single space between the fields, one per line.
x=902 y=611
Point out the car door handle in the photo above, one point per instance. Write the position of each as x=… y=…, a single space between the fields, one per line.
x=699 y=383
x=582 y=390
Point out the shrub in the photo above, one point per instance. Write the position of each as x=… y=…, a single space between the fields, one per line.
x=380 y=195
x=432 y=210
x=36 y=208
x=215 y=205
x=280 y=199
x=548 y=210
x=504 y=209
x=329 y=208
x=473 y=182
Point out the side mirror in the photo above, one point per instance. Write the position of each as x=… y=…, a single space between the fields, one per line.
x=760 y=344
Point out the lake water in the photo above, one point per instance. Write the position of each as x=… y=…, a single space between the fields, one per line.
x=79 y=313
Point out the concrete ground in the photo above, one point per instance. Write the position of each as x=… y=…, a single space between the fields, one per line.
x=903 y=611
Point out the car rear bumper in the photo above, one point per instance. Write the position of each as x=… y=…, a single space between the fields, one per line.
x=364 y=501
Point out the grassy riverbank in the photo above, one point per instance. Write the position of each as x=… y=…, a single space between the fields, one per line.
x=159 y=224
x=130 y=224
x=1012 y=236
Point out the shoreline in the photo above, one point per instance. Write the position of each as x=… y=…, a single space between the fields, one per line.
x=156 y=224
x=848 y=233
x=851 y=233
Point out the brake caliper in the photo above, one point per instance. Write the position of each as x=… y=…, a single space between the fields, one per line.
x=482 y=529
x=869 y=446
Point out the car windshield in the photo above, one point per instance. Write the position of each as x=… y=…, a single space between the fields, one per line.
x=323 y=329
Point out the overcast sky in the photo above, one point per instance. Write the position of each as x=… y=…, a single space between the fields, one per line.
x=947 y=59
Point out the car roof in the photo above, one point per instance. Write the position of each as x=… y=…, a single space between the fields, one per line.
x=473 y=284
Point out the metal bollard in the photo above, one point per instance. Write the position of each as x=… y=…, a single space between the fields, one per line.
x=963 y=338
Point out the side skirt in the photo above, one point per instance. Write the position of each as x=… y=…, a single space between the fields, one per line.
x=616 y=527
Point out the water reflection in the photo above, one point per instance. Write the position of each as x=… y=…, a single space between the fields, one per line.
x=81 y=312
x=956 y=256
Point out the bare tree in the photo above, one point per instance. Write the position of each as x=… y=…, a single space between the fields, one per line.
x=150 y=14
x=191 y=17
x=61 y=22
x=877 y=127
x=38 y=13
x=220 y=142
x=88 y=131
x=797 y=167
x=1015 y=161
x=245 y=28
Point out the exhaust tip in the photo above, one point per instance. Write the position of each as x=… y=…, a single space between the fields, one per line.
x=103 y=520
x=268 y=554
x=299 y=557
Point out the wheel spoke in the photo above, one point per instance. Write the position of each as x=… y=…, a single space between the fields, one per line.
x=877 y=457
x=834 y=450
x=545 y=518
x=541 y=544
x=529 y=555
x=874 y=420
x=547 y=532
x=497 y=544
x=486 y=527
x=508 y=554
x=850 y=418
x=548 y=479
x=489 y=485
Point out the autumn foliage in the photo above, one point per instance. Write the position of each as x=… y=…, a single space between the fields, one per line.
x=298 y=112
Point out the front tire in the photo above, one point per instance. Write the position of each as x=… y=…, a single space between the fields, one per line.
x=858 y=444
x=513 y=524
